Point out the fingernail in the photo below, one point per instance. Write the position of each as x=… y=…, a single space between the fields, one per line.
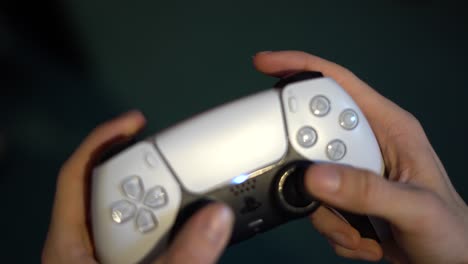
x=328 y=180
x=219 y=224
x=340 y=238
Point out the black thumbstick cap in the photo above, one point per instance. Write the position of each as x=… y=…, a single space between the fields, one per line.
x=290 y=189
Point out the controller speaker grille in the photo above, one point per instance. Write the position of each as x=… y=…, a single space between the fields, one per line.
x=244 y=187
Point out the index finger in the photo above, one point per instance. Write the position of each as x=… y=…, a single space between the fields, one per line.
x=70 y=198
x=280 y=62
x=395 y=129
x=401 y=138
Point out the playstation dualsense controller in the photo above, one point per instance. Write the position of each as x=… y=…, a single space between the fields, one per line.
x=250 y=154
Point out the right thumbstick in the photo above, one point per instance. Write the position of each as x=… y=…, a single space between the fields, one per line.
x=290 y=189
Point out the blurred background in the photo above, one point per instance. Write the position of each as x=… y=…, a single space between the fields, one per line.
x=66 y=66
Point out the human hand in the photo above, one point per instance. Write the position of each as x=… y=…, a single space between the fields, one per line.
x=429 y=220
x=201 y=240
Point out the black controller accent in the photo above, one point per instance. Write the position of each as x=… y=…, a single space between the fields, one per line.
x=271 y=196
x=301 y=76
x=265 y=198
x=257 y=203
x=290 y=189
x=361 y=223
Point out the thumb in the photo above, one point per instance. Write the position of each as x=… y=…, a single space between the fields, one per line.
x=363 y=192
x=203 y=238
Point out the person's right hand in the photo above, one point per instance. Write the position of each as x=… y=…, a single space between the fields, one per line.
x=429 y=220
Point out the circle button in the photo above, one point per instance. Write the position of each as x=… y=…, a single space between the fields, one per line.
x=306 y=137
x=320 y=105
x=336 y=150
x=348 y=119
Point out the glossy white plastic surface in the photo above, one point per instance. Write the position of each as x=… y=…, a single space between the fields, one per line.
x=362 y=149
x=125 y=242
x=215 y=147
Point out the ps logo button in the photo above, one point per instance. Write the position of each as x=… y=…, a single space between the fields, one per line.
x=145 y=221
x=156 y=197
x=122 y=211
x=319 y=105
x=133 y=188
x=336 y=150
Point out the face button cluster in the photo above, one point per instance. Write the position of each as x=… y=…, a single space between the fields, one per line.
x=320 y=106
x=139 y=205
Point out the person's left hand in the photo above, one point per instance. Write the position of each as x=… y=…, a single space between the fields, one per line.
x=201 y=240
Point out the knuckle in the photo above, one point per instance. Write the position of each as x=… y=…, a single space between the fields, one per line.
x=412 y=121
x=405 y=130
x=406 y=125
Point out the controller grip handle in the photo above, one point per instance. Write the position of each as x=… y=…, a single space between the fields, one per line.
x=361 y=223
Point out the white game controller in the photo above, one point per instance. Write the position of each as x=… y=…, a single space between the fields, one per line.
x=250 y=154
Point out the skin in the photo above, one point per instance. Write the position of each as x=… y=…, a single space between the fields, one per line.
x=428 y=219
x=202 y=239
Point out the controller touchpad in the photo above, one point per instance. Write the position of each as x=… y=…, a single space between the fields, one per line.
x=200 y=151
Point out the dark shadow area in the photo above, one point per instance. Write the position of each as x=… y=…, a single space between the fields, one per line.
x=47 y=103
x=66 y=66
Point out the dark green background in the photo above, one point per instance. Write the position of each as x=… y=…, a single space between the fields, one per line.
x=71 y=66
